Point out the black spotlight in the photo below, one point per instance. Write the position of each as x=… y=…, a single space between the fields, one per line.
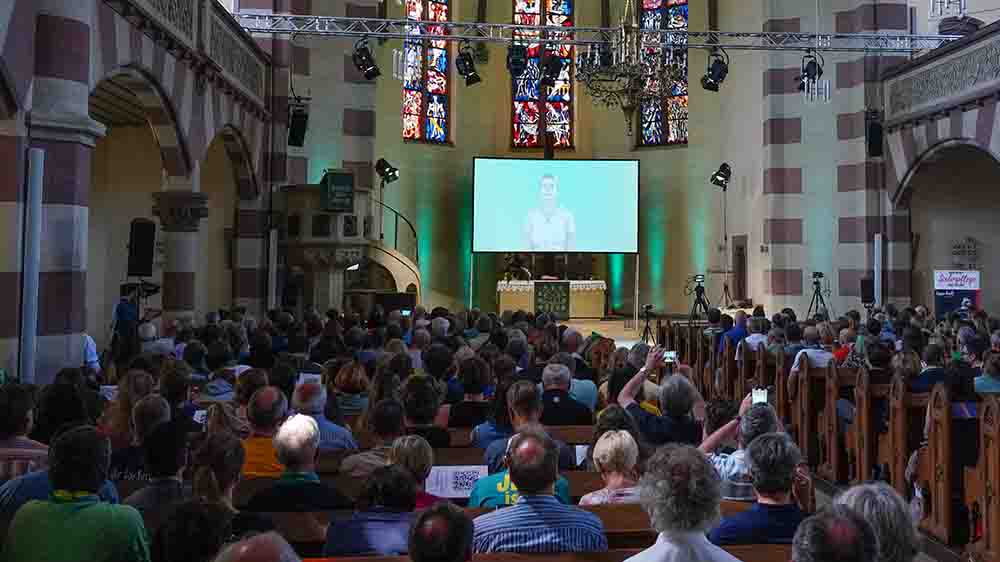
x=551 y=69
x=718 y=69
x=517 y=60
x=386 y=171
x=364 y=61
x=721 y=177
x=465 y=63
x=812 y=69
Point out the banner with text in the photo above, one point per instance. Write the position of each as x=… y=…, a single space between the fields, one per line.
x=951 y=287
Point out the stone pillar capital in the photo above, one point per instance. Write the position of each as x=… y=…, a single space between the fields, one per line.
x=180 y=211
x=79 y=129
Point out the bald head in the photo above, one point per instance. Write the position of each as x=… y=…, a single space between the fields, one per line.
x=442 y=533
x=836 y=534
x=268 y=547
x=533 y=459
x=267 y=409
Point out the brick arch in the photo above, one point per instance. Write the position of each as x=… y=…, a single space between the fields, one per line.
x=902 y=191
x=161 y=115
x=241 y=159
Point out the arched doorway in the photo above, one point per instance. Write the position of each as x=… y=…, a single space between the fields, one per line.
x=952 y=197
x=217 y=241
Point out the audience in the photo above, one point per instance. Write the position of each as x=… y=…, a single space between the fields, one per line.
x=525 y=408
x=216 y=467
x=557 y=406
x=310 y=399
x=249 y=382
x=754 y=420
x=19 y=454
x=165 y=453
x=382 y=523
x=192 y=531
x=415 y=454
x=889 y=516
x=835 y=534
x=615 y=456
x=117 y=418
x=772 y=460
x=296 y=445
x=498 y=425
x=813 y=353
x=421 y=400
x=267 y=409
x=474 y=375
x=385 y=425
x=681 y=493
x=442 y=533
x=129 y=463
x=266 y=547
x=677 y=400
x=527 y=525
x=74 y=524
x=59 y=405
x=352 y=384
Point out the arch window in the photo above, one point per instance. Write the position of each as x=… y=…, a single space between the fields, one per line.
x=665 y=122
x=426 y=79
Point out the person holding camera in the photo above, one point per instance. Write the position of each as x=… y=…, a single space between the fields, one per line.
x=677 y=397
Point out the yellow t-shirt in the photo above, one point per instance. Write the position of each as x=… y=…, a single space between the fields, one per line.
x=261 y=459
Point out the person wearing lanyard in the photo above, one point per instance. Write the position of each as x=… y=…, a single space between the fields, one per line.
x=74 y=524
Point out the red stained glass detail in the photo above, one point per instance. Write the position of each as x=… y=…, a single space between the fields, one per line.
x=439 y=12
x=530 y=6
x=412 y=102
x=411 y=127
x=414 y=9
x=651 y=4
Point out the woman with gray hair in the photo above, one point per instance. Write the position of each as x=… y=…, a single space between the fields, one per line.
x=681 y=492
x=888 y=515
x=677 y=401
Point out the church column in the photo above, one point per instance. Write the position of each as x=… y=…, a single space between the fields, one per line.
x=250 y=267
x=59 y=124
x=180 y=214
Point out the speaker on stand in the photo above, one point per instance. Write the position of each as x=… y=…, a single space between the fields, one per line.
x=141 y=244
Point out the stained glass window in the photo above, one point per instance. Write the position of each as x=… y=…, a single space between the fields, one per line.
x=426 y=82
x=530 y=120
x=665 y=123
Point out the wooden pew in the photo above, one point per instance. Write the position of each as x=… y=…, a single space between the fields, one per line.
x=708 y=367
x=907 y=412
x=833 y=457
x=783 y=401
x=572 y=434
x=981 y=484
x=862 y=435
x=764 y=367
x=728 y=371
x=797 y=408
x=746 y=379
x=744 y=552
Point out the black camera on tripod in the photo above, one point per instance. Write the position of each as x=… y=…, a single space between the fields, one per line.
x=817 y=275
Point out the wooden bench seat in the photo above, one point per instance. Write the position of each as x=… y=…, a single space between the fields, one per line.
x=746 y=553
x=833 y=452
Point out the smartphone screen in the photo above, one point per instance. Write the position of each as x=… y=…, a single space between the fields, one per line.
x=759 y=396
x=406 y=312
x=670 y=356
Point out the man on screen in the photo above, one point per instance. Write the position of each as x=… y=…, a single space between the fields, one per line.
x=550 y=227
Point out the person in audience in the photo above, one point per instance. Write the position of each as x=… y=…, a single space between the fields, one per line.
x=74 y=524
x=886 y=511
x=385 y=386
x=616 y=457
x=498 y=425
x=619 y=378
x=738 y=330
x=908 y=364
x=381 y=526
x=222 y=417
x=165 y=453
x=196 y=355
x=474 y=374
x=677 y=400
x=813 y=352
x=85 y=381
x=756 y=338
x=773 y=459
x=283 y=376
x=932 y=370
x=222 y=387
x=117 y=418
x=216 y=467
x=438 y=362
x=266 y=547
x=310 y=399
x=835 y=534
x=582 y=390
x=615 y=418
x=558 y=408
x=498 y=490
x=18 y=453
x=352 y=387
x=415 y=454
x=572 y=343
x=754 y=420
x=385 y=425
x=192 y=531
x=175 y=387
x=129 y=464
x=442 y=533
x=844 y=342
x=526 y=526
x=267 y=409
x=524 y=403
x=793 y=335
x=420 y=402
x=298 y=488
x=681 y=493
x=247 y=384
x=989 y=381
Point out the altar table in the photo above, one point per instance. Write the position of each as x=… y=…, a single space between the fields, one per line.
x=565 y=299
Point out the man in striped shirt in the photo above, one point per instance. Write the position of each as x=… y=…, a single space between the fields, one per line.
x=538 y=522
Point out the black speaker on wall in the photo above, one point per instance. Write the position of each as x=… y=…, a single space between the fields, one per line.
x=298 y=124
x=867 y=291
x=141 y=242
x=875 y=137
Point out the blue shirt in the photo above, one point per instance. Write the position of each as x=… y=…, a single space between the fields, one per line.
x=539 y=524
x=735 y=336
x=660 y=430
x=986 y=384
x=495 y=453
x=761 y=524
x=219 y=389
x=927 y=378
x=332 y=436
x=496 y=490
x=487 y=432
x=36 y=486
x=377 y=531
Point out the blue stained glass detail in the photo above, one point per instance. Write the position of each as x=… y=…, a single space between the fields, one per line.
x=666 y=125
x=527 y=88
x=557 y=113
x=564 y=7
x=560 y=92
x=437 y=130
x=437 y=106
x=438 y=59
x=652 y=20
x=677 y=16
x=651 y=112
x=652 y=133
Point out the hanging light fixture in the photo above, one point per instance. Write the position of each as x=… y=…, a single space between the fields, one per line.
x=465 y=63
x=718 y=69
x=364 y=61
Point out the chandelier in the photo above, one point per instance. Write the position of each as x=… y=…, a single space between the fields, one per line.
x=632 y=68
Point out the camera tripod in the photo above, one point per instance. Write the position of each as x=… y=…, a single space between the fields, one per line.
x=817 y=303
x=700 y=304
x=648 y=337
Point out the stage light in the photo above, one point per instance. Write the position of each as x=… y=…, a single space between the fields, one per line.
x=721 y=177
x=551 y=69
x=386 y=171
x=364 y=61
x=718 y=69
x=517 y=60
x=812 y=69
x=465 y=63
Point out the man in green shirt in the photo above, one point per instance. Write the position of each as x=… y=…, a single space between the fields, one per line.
x=74 y=524
x=496 y=490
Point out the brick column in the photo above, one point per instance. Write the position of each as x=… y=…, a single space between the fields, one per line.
x=250 y=269
x=12 y=151
x=60 y=125
x=180 y=214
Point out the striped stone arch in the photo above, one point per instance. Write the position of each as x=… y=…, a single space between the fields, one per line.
x=161 y=115
x=242 y=162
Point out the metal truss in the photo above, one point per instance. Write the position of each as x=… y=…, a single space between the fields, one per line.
x=324 y=26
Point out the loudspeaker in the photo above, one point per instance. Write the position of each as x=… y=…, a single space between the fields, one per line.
x=867 y=291
x=141 y=242
x=298 y=123
x=874 y=135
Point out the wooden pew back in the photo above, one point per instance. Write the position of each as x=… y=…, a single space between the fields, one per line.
x=747 y=371
x=729 y=372
x=864 y=431
x=833 y=461
x=982 y=483
x=907 y=412
x=746 y=553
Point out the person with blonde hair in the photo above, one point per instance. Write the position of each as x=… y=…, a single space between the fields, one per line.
x=116 y=422
x=616 y=457
x=216 y=467
x=415 y=454
x=352 y=385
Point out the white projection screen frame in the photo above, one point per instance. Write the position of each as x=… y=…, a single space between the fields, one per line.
x=555 y=206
